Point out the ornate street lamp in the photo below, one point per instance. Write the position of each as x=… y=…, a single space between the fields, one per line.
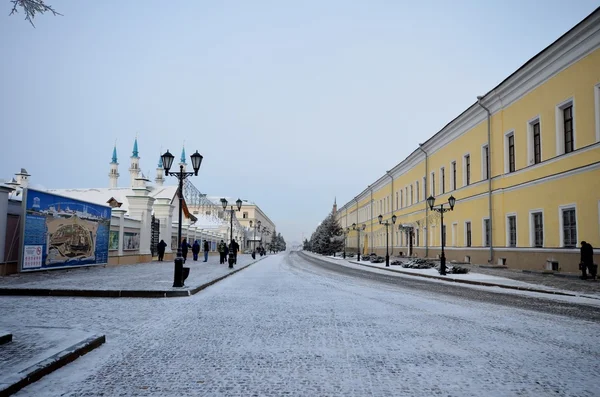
x=167 y=159
x=358 y=238
x=387 y=237
x=442 y=210
x=238 y=202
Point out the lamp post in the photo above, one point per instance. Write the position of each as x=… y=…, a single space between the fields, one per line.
x=442 y=210
x=256 y=225
x=238 y=202
x=387 y=237
x=167 y=159
x=358 y=238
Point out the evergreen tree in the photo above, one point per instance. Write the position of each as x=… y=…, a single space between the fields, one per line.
x=328 y=238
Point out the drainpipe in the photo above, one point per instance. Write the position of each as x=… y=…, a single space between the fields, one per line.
x=392 y=206
x=489 y=166
x=426 y=206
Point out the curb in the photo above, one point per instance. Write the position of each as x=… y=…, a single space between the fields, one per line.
x=107 y=293
x=50 y=364
x=481 y=283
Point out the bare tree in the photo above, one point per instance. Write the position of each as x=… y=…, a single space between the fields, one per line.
x=31 y=7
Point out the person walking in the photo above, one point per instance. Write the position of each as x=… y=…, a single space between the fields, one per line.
x=233 y=250
x=184 y=249
x=221 y=248
x=587 y=260
x=206 y=249
x=160 y=248
x=195 y=250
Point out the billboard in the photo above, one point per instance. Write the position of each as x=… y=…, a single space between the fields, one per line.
x=61 y=232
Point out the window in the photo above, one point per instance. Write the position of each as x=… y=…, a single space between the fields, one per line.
x=411 y=195
x=565 y=127
x=485 y=162
x=397 y=201
x=467 y=170
x=509 y=152
x=568 y=128
x=537 y=220
x=537 y=143
x=424 y=188
x=417 y=237
x=468 y=233
x=245 y=215
x=454 y=175
x=512 y=230
x=569 y=227
x=442 y=180
x=250 y=223
x=417 y=184
x=486 y=229
x=433 y=184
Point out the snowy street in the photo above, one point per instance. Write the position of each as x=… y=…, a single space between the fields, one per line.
x=291 y=326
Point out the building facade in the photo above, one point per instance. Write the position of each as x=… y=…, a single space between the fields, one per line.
x=523 y=163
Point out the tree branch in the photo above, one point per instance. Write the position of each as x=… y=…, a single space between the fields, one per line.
x=31 y=7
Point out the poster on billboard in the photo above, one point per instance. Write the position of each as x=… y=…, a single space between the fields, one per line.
x=61 y=232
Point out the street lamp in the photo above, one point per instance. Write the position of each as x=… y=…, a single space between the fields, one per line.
x=238 y=202
x=442 y=210
x=358 y=238
x=387 y=237
x=256 y=225
x=167 y=159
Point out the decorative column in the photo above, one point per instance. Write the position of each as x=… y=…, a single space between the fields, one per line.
x=4 y=191
x=163 y=210
x=140 y=207
x=119 y=213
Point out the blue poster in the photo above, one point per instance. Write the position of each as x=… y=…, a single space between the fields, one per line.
x=63 y=232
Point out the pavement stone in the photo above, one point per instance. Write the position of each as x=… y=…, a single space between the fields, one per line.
x=150 y=280
x=36 y=351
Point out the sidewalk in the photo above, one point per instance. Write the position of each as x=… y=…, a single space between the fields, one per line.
x=37 y=351
x=492 y=277
x=148 y=280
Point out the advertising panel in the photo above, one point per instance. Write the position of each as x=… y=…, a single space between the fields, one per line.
x=61 y=232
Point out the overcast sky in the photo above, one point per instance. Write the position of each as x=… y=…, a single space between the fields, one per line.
x=290 y=103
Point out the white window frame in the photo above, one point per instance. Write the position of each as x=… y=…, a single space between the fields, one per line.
x=531 y=143
x=442 y=179
x=432 y=176
x=452 y=180
x=483 y=244
x=507 y=241
x=532 y=227
x=483 y=162
x=465 y=233
x=597 y=108
x=507 y=135
x=424 y=188
x=455 y=224
x=417 y=197
x=464 y=166
x=561 y=223
x=560 y=126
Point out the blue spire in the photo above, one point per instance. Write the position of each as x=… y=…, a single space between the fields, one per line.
x=135 y=149
x=183 y=156
x=114 y=157
x=160 y=163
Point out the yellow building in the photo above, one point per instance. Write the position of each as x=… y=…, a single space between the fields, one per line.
x=537 y=134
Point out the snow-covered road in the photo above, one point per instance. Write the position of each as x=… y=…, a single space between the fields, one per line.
x=287 y=327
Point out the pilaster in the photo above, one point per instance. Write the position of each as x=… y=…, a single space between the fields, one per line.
x=163 y=210
x=118 y=212
x=140 y=207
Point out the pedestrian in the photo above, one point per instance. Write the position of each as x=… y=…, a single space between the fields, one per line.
x=233 y=250
x=206 y=249
x=195 y=250
x=184 y=249
x=587 y=260
x=221 y=248
x=160 y=248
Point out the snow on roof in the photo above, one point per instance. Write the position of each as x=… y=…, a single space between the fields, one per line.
x=160 y=192
x=230 y=200
x=208 y=222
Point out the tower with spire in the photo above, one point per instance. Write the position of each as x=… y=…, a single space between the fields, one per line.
x=334 y=211
x=160 y=176
x=182 y=161
x=113 y=175
x=134 y=168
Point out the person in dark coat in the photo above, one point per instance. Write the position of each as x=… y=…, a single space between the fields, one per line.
x=206 y=249
x=221 y=248
x=587 y=260
x=196 y=250
x=233 y=250
x=184 y=249
x=160 y=248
